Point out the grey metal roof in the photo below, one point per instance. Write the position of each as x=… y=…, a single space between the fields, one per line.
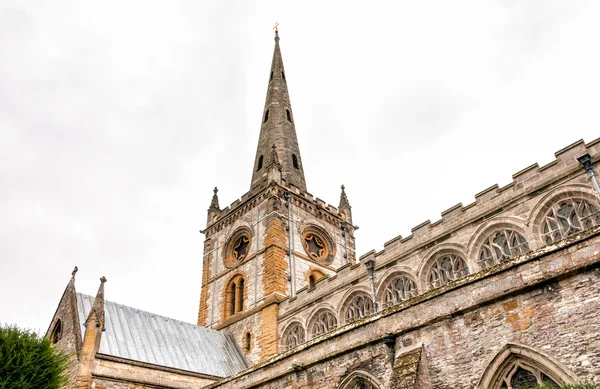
x=143 y=336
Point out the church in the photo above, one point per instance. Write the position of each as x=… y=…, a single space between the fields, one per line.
x=502 y=293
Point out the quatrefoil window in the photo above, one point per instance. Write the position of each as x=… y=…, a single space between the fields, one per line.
x=315 y=247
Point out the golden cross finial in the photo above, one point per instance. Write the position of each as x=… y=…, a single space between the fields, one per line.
x=276 y=28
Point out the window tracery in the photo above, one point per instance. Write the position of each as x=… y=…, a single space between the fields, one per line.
x=318 y=245
x=446 y=268
x=501 y=246
x=359 y=307
x=237 y=248
x=399 y=289
x=569 y=217
x=323 y=322
x=293 y=336
x=524 y=376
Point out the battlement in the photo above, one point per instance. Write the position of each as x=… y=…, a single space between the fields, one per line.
x=492 y=202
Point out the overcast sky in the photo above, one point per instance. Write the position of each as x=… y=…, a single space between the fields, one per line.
x=117 y=118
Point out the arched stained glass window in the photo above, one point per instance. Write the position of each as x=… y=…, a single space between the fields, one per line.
x=446 y=268
x=323 y=322
x=569 y=217
x=359 y=307
x=293 y=336
x=399 y=289
x=525 y=376
x=501 y=246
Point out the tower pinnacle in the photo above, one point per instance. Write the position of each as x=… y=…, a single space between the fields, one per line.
x=278 y=129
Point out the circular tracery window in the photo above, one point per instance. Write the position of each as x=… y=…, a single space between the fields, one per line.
x=317 y=245
x=237 y=248
x=314 y=246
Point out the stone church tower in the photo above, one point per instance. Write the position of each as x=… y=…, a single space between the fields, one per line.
x=273 y=242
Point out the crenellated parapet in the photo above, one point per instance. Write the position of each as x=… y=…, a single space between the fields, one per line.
x=502 y=223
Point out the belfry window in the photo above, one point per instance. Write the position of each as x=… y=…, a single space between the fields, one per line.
x=260 y=162
x=234 y=296
x=266 y=116
x=289 y=115
x=295 y=161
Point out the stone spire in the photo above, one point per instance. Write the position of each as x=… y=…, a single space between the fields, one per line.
x=278 y=129
x=345 y=205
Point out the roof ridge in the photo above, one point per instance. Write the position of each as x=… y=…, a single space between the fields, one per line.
x=151 y=313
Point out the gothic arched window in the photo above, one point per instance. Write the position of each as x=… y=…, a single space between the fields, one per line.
x=359 y=380
x=501 y=246
x=568 y=217
x=358 y=307
x=266 y=116
x=324 y=321
x=517 y=366
x=234 y=296
x=398 y=289
x=446 y=268
x=524 y=376
x=289 y=115
x=295 y=161
x=292 y=336
x=56 y=334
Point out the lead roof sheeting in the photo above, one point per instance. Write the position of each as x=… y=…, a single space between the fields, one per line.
x=143 y=336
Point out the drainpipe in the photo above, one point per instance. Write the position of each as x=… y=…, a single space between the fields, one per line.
x=290 y=253
x=585 y=161
x=370 y=264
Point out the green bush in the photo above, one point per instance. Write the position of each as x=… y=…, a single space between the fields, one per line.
x=28 y=361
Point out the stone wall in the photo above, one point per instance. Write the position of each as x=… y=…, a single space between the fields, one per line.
x=112 y=373
x=547 y=301
x=462 y=231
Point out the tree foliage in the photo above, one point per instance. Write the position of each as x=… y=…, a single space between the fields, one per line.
x=28 y=361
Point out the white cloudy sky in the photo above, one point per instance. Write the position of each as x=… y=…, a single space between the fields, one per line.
x=118 y=117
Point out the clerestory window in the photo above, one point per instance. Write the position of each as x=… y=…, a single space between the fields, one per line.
x=501 y=246
x=569 y=217
x=446 y=268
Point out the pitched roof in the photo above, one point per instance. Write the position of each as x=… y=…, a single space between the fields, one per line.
x=143 y=336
